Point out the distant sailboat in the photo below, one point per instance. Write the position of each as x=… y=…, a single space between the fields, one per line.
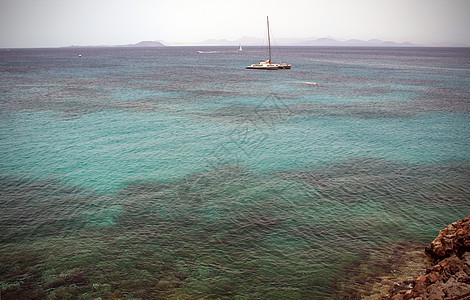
x=240 y=48
x=267 y=65
x=207 y=51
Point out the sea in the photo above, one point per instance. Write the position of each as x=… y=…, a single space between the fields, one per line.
x=164 y=173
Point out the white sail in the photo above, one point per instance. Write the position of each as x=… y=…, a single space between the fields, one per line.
x=240 y=48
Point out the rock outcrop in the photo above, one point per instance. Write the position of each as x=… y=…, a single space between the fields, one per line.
x=449 y=277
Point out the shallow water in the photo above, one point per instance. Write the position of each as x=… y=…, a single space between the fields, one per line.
x=164 y=173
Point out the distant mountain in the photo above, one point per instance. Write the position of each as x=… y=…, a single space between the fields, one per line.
x=321 y=42
x=250 y=41
x=219 y=42
x=146 y=44
x=328 y=41
x=312 y=41
x=140 y=44
x=354 y=43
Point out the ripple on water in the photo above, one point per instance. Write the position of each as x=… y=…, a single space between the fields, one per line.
x=226 y=232
x=108 y=188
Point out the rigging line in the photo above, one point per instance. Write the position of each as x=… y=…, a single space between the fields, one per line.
x=269 y=40
x=275 y=46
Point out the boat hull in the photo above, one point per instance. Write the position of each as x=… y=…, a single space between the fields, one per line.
x=269 y=67
x=262 y=67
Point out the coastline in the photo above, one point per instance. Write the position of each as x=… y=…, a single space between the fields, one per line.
x=449 y=275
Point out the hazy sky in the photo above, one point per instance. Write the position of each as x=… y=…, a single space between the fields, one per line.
x=50 y=23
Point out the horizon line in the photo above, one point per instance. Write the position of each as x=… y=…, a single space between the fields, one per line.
x=335 y=42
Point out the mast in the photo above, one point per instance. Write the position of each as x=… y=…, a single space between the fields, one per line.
x=269 y=40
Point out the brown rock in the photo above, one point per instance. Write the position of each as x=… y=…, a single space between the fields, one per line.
x=399 y=296
x=454 y=239
x=409 y=294
x=421 y=279
x=449 y=278
x=436 y=292
x=420 y=288
x=466 y=269
x=437 y=268
x=433 y=277
x=454 y=288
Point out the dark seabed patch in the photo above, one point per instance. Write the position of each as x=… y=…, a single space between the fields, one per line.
x=224 y=233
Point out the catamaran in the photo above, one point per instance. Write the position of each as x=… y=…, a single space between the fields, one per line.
x=267 y=65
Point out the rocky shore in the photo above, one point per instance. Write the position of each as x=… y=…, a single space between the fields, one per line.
x=449 y=277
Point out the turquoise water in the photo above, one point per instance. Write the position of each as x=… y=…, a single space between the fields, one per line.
x=164 y=173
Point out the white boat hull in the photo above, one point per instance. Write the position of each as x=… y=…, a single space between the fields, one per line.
x=263 y=66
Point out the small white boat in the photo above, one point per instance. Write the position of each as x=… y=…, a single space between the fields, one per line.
x=240 y=48
x=208 y=51
x=267 y=65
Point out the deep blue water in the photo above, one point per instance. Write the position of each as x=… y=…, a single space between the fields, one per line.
x=164 y=173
